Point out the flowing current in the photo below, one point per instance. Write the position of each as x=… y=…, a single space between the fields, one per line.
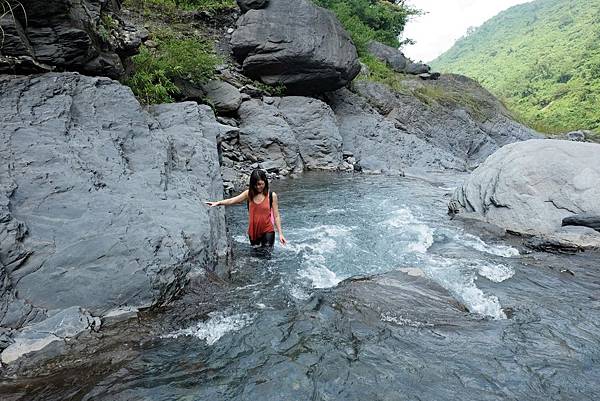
x=378 y=295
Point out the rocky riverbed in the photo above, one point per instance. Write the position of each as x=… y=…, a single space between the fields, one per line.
x=377 y=294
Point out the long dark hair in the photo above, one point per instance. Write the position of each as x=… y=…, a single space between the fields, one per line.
x=256 y=176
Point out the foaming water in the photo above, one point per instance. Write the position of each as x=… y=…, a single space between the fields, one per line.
x=214 y=328
x=459 y=278
x=477 y=243
x=495 y=272
x=381 y=231
x=318 y=248
x=410 y=232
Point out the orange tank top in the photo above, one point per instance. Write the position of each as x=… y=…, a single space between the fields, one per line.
x=260 y=220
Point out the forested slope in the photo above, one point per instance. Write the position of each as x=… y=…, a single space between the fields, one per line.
x=542 y=58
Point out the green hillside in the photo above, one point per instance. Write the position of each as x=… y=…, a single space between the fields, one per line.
x=541 y=58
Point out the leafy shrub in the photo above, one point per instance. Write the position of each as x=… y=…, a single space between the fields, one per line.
x=155 y=70
x=367 y=20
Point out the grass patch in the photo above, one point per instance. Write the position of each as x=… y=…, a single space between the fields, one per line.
x=431 y=94
x=155 y=69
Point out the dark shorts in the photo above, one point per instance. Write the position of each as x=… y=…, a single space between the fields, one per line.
x=267 y=239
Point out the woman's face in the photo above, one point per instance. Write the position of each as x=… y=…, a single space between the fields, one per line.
x=260 y=186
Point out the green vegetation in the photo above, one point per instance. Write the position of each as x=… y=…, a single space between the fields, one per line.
x=380 y=72
x=542 y=59
x=476 y=107
x=180 y=49
x=187 y=5
x=366 y=20
x=106 y=26
x=156 y=69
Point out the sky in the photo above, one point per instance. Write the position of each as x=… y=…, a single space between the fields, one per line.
x=445 y=22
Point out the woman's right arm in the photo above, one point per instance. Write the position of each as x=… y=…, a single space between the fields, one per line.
x=231 y=201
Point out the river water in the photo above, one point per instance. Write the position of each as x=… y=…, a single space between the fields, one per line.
x=379 y=295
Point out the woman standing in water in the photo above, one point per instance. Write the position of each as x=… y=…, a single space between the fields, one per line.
x=263 y=211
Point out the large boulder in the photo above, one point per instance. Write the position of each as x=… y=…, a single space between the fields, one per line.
x=66 y=35
x=395 y=59
x=315 y=128
x=283 y=136
x=225 y=97
x=530 y=187
x=297 y=44
x=101 y=201
x=453 y=113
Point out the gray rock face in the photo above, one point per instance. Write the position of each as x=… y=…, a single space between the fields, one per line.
x=100 y=200
x=266 y=135
x=224 y=96
x=295 y=43
x=283 y=136
x=453 y=113
x=395 y=59
x=314 y=126
x=378 y=145
x=246 y=5
x=74 y=35
x=530 y=187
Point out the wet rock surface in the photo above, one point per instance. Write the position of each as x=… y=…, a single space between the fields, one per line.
x=297 y=44
x=530 y=187
x=584 y=220
x=100 y=200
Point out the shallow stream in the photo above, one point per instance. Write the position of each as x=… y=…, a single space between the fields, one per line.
x=379 y=295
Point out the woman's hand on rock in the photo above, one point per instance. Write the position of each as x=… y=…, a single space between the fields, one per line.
x=213 y=204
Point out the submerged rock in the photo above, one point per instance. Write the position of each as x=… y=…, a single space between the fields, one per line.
x=530 y=187
x=100 y=200
x=297 y=44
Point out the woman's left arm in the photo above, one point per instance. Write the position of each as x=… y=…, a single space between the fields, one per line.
x=278 y=219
